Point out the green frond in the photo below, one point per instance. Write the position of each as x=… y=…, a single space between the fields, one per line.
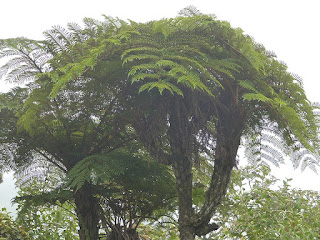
x=131 y=58
x=137 y=68
x=164 y=27
x=101 y=166
x=190 y=51
x=142 y=76
x=256 y=96
x=165 y=63
x=194 y=82
x=226 y=66
x=74 y=70
x=112 y=40
x=12 y=100
x=196 y=65
x=247 y=85
x=140 y=49
x=46 y=198
x=161 y=86
x=105 y=168
x=295 y=123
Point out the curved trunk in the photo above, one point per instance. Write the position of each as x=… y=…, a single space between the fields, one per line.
x=87 y=212
x=229 y=126
x=224 y=162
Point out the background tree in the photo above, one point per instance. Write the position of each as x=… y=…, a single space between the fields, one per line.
x=265 y=208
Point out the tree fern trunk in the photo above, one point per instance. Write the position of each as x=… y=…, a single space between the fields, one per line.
x=87 y=211
x=181 y=142
x=182 y=169
x=183 y=173
x=229 y=127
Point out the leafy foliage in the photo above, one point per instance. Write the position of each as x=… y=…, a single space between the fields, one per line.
x=9 y=229
x=161 y=231
x=254 y=209
x=45 y=208
x=45 y=214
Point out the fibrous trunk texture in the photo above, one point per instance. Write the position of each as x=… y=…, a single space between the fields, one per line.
x=229 y=126
x=87 y=211
x=181 y=142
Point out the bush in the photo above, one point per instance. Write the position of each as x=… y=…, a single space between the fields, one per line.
x=9 y=229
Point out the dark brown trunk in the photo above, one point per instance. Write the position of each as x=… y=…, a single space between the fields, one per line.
x=87 y=212
x=181 y=142
x=182 y=170
x=218 y=188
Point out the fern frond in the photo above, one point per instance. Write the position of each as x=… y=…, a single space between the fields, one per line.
x=27 y=59
x=59 y=37
x=47 y=198
x=74 y=70
x=97 y=166
x=196 y=65
x=161 y=86
x=142 y=76
x=77 y=32
x=190 y=11
x=225 y=66
x=131 y=58
x=248 y=85
x=137 y=68
x=256 y=97
x=139 y=49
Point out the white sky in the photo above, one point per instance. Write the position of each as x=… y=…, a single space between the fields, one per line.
x=290 y=28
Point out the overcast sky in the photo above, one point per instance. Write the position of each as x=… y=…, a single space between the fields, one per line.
x=290 y=28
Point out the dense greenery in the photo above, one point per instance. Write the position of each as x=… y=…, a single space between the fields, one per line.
x=44 y=216
x=9 y=229
x=262 y=207
x=181 y=92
